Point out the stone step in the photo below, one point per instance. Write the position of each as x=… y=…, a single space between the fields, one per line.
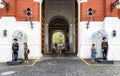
x=100 y=60
x=19 y=61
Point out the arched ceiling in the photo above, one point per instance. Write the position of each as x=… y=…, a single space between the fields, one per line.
x=58 y=23
x=65 y=8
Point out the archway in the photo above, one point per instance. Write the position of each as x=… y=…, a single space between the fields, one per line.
x=58 y=37
x=58 y=40
x=59 y=13
x=60 y=27
x=22 y=37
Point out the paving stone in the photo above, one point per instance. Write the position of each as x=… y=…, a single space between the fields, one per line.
x=63 y=66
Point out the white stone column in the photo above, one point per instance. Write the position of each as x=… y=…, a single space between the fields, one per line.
x=70 y=37
x=73 y=38
x=40 y=23
x=79 y=30
x=46 y=38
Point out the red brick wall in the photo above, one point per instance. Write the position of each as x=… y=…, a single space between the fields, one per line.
x=101 y=9
x=17 y=8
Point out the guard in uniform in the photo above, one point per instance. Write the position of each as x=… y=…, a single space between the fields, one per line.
x=15 y=48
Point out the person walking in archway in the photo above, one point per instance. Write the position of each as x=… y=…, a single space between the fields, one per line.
x=104 y=48
x=55 y=46
x=68 y=46
x=15 y=48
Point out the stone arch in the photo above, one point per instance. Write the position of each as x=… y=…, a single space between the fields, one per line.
x=46 y=21
x=60 y=31
x=58 y=23
x=57 y=17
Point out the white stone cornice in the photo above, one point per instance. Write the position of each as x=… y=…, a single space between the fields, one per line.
x=41 y=1
x=83 y=1
x=38 y=1
x=78 y=1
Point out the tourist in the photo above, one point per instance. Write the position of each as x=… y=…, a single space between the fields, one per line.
x=26 y=52
x=93 y=53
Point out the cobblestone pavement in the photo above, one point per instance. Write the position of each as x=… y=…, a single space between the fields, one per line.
x=62 y=66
